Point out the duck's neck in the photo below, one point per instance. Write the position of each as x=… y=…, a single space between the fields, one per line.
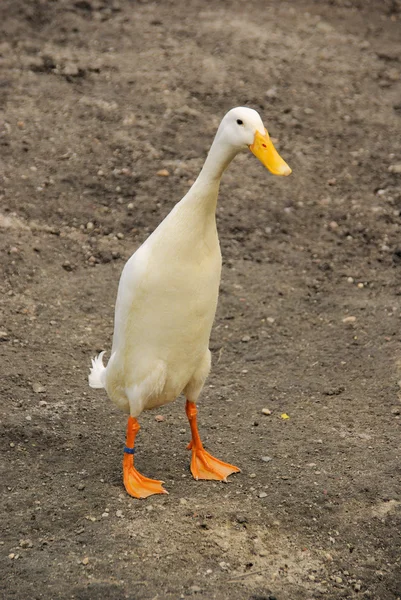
x=219 y=157
x=205 y=190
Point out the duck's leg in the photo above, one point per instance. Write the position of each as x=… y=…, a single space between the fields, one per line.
x=136 y=484
x=203 y=464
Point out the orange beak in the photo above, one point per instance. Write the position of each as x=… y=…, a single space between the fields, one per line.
x=264 y=150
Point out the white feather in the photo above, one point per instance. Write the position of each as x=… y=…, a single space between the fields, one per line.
x=97 y=372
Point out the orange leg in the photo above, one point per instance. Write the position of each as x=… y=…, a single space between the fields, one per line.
x=203 y=464
x=136 y=484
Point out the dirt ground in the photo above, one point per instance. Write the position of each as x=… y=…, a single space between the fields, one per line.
x=98 y=96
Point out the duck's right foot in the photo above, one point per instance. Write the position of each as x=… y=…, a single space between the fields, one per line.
x=138 y=485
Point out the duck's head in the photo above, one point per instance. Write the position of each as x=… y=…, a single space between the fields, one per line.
x=243 y=128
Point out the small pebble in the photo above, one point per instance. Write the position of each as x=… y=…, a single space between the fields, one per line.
x=246 y=338
x=271 y=93
x=349 y=319
x=163 y=173
x=119 y=514
x=338 y=580
x=85 y=560
x=70 y=69
x=357 y=587
x=270 y=320
x=67 y=266
x=252 y=475
x=266 y=411
x=120 y=236
x=324 y=27
x=241 y=519
x=90 y=226
x=266 y=458
x=130 y=206
x=262 y=495
x=195 y=589
x=38 y=388
x=43 y=403
x=80 y=486
x=350 y=280
x=395 y=169
x=361 y=285
x=395 y=411
x=160 y=418
x=26 y=543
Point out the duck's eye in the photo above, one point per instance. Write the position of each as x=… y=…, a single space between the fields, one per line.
x=240 y=122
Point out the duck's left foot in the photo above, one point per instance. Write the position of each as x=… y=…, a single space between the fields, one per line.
x=203 y=464
x=206 y=466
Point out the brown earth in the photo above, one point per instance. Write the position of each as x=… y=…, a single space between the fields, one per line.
x=98 y=96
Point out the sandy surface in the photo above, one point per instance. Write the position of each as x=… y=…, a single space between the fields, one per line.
x=96 y=97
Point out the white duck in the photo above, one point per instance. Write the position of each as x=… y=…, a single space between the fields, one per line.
x=166 y=303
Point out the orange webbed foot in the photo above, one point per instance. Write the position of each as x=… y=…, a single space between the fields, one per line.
x=206 y=466
x=138 y=485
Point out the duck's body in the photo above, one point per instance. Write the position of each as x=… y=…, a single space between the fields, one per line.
x=167 y=300
x=157 y=354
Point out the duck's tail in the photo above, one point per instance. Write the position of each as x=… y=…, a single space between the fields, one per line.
x=98 y=372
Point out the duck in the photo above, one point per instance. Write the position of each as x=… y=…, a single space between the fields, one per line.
x=166 y=304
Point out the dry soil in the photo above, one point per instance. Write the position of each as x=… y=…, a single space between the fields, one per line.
x=99 y=96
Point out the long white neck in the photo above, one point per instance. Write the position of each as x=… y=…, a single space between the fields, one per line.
x=205 y=190
x=220 y=155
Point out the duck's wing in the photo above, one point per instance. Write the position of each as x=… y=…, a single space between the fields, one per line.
x=130 y=293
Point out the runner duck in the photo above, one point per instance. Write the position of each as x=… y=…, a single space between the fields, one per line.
x=166 y=303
